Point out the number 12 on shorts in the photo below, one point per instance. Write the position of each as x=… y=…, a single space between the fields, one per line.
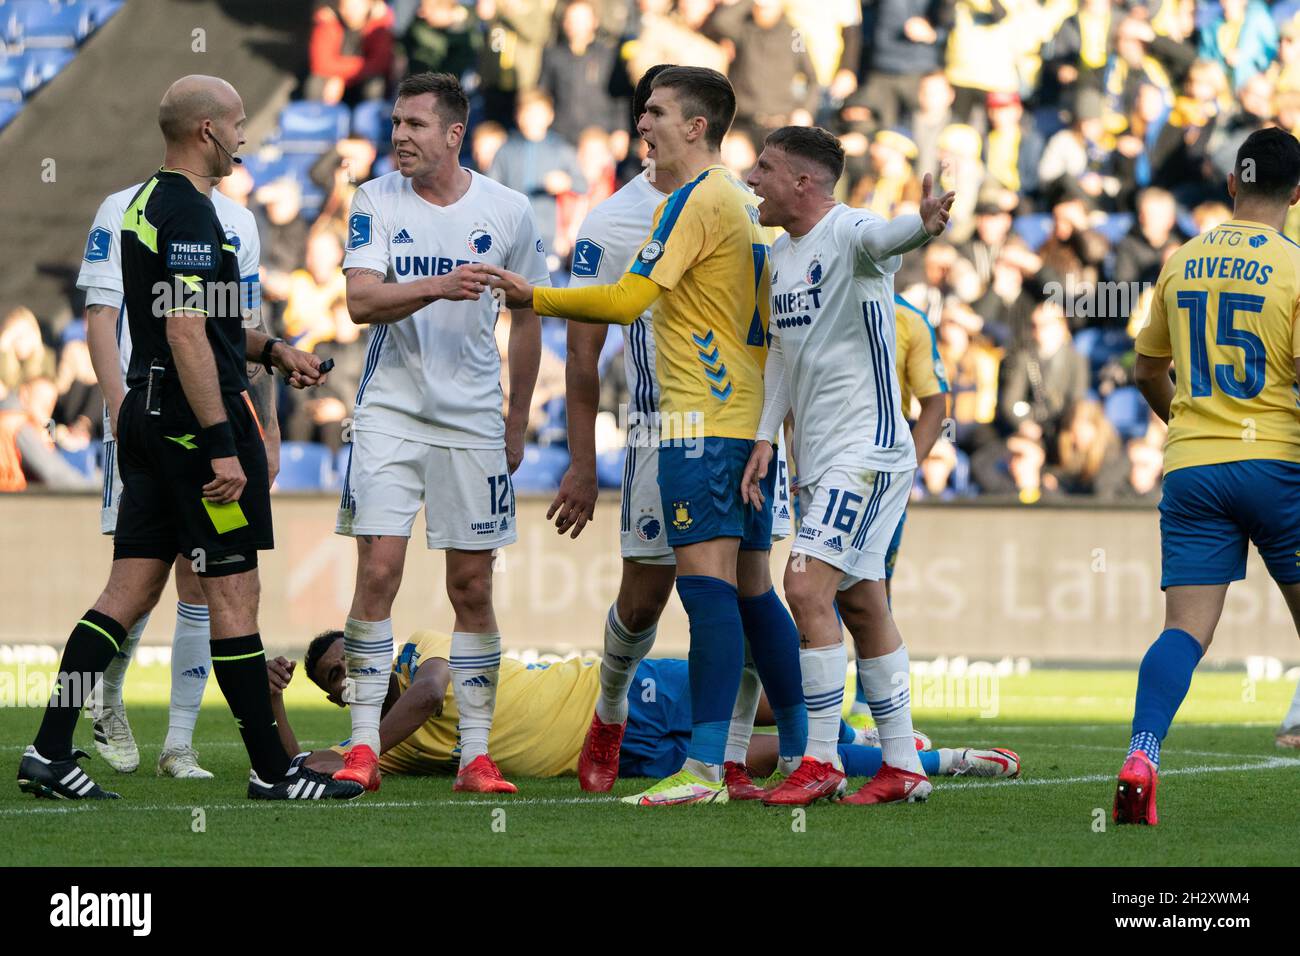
x=501 y=495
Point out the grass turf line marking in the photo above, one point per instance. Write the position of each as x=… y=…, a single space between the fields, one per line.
x=1269 y=763
x=955 y=785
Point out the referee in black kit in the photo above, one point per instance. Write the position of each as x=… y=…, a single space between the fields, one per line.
x=193 y=463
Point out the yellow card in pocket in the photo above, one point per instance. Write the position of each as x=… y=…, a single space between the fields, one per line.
x=225 y=517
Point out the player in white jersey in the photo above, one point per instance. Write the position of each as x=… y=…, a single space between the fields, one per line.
x=608 y=240
x=109 y=337
x=831 y=362
x=428 y=427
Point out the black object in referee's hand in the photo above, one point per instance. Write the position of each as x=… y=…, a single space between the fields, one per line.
x=326 y=366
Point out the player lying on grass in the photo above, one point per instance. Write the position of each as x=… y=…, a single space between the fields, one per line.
x=542 y=714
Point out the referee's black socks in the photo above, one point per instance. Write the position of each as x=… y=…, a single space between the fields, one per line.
x=94 y=642
x=239 y=664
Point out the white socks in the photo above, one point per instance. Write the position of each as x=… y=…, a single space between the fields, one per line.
x=823 y=694
x=886 y=681
x=115 y=672
x=368 y=651
x=742 y=715
x=624 y=650
x=475 y=665
x=191 y=664
x=1292 y=718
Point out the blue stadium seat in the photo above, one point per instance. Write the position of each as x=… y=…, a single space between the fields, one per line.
x=555 y=336
x=264 y=171
x=542 y=468
x=383 y=165
x=83 y=460
x=12 y=72
x=373 y=120
x=309 y=127
x=609 y=468
x=304 y=466
x=1116 y=226
x=101 y=11
x=1186 y=223
x=8 y=111
x=960 y=480
x=39 y=24
x=1128 y=412
x=41 y=66
x=1034 y=228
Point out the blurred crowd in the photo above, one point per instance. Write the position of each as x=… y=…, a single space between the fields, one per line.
x=1085 y=139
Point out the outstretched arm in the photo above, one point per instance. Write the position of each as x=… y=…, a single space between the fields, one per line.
x=617 y=304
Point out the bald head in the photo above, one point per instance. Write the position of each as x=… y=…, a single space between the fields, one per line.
x=193 y=99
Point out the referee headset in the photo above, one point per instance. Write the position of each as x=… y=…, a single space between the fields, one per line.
x=222 y=146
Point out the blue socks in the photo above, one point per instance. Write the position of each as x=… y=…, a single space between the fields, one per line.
x=860 y=761
x=1163 y=680
x=774 y=645
x=716 y=658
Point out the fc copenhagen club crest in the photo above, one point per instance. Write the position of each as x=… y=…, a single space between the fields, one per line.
x=682 y=519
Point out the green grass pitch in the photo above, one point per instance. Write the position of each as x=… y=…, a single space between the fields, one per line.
x=1227 y=797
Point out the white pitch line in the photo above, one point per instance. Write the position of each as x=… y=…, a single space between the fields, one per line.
x=949 y=786
x=1270 y=763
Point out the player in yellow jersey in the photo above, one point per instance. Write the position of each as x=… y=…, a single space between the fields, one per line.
x=704 y=273
x=1225 y=313
x=921 y=376
x=541 y=717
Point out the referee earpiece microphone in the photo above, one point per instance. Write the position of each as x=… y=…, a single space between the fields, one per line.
x=233 y=158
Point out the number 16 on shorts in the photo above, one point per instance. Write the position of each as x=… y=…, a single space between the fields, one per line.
x=850 y=514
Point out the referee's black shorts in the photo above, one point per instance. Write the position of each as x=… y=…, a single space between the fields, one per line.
x=164 y=467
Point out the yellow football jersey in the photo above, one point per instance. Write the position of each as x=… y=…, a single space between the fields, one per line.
x=1225 y=311
x=920 y=369
x=710 y=257
x=542 y=714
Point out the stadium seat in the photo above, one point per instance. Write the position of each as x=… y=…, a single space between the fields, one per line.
x=8 y=111
x=101 y=11
x=542 y=468
x=609 y=468
x=1186 y=224
x=373 y=120
x=41 y=25
x=12 y=72
x=41 y=66
x=1128 y=412
x=82 y=460
x=383 y=165
x=264 y=170
x=304 y=466
x=1116 y=226
x=555 y=336
x=1034 y=228
x=307 y=127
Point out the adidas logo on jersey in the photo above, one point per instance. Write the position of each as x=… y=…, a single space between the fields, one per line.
x=402 y=236
x=834 y=544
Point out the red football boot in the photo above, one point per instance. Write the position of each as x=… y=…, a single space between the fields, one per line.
x=1135 y=795
x=481 y=775
x=361 y=766
x=811 y=781
x=892 y=785
x=740 y=785
x=598 y=762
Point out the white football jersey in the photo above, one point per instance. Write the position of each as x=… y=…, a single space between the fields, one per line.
x=608 y=240
x=435 y=376
x=833 y=319
x=101 y=263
